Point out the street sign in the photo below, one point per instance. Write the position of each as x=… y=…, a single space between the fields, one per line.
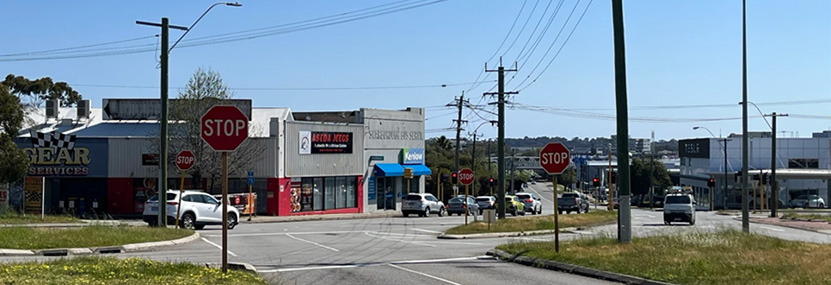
x=250 y=179
x=408 y=173
x=185 y=160
x=554 y=158
x=224 y=128
x=466 y=176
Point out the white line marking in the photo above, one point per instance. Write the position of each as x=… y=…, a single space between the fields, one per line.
x=424 y=274
x=218 y=246
x=438 y=260
x=310 y=268
x=311 y=242
x=398 y=240
x=427 y=231
x=583 y=232
x=772 y=229
x=283 y=233
x=373 y=264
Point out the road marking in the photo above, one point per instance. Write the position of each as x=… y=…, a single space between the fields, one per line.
x=310 y=268
x=427 y=231
x=356 y=265
x=283 y=233
x=439 y=260
x=583 y=232
x=772 y=229
x=218 y=246
x=398 y=240
x=424 y=274
x=311 y=242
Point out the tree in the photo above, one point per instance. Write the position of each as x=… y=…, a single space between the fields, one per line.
x=32 y=93
x=13 y=161
x=640 y=173
x=204 y=90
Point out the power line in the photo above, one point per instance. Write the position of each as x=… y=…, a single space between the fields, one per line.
x=536 y=43
x=285 y=88
x=542 y=16
x=75 y=48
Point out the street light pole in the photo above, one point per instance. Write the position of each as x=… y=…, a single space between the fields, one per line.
x=745 y=199
x=774 y=185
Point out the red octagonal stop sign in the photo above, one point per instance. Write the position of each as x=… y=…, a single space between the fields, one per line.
x=224 y=128
x=185 y=160
x=554 y=158
x=466 y=176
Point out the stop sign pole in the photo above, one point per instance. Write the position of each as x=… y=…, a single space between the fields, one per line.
x=184 y=161
x=224 y=128
x=466 y=177
x=555 y=158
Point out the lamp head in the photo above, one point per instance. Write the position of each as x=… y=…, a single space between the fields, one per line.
x=695 y=128
x=235 y=4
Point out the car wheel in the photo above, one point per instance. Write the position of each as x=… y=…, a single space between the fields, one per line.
x=568 y=212
x=232 y=221
x=406 y=214
x=188 y=221
x=666 y=222
x=692 y=222
x=427 y=212
x=560 y=212
x=153 y=223
x=586 y=210
x=441 y=212
x=805 y=206
x=539 y=211
x=513 y=212
x=522 y=213
x=822 y=205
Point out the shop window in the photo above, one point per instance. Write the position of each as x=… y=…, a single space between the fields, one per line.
x=307 y=194
x=340 y=193
x=351 y=191
x=803 y=163
x=329 y=185
x=318 y=194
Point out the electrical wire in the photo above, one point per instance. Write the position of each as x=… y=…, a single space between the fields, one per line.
x=553 y=43
x=84 y=47
x=542 y=16
x=286 y=88
x=536 y=43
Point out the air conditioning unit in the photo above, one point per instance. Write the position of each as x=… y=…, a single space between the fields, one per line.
x=52 y=107
x=83 y=109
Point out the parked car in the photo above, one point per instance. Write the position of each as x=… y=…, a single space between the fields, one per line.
x=514 y=206
x=486 y=202
x=462 y=205
x=658 y=200
x=572 y=201
x=679 y=208
x=198 y=209
x=531 y=202
x=422 y=204
x=807 y=201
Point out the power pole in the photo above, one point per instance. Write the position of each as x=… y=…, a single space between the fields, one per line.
x=513 y=168
x=772 y=181
x=473 y=162
x=489 y=166
x=745 y=199
x=500 y=201
x=651 y=171
x=459 y=103
x=624 y=215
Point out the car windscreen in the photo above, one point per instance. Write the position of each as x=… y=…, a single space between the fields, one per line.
x=457 y=200
x=678 y=200
x=170 y=197
x=509 y=199
x=413 y=198
x=523 y=196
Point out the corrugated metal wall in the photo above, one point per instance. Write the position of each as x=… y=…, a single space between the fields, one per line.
x=298 y=165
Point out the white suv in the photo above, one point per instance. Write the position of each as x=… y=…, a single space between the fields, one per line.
x=679 y=208
x=531 y=201
x=198 y=210
x=422 y=204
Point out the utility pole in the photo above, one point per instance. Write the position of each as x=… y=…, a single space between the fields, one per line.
x=459 y=103
x=774 y=185
x=513 y=168
x=651 y=171
x=624 y=215
x=725 y=172
x=500 y=201
x=473 y=163
x=489 y=167
x=745 y=200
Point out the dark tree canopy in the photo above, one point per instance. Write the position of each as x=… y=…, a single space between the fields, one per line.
x=39 y=90
x=13 y=161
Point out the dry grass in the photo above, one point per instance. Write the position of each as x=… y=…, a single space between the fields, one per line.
x=535 y=223
x=12 y=218
x=92 y=236
x=727 y=257
x=816 y=217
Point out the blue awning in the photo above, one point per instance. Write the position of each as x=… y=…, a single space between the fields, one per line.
x=389 y=169
x=419 y=169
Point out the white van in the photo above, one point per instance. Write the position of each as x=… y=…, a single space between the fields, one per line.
x=679 y=208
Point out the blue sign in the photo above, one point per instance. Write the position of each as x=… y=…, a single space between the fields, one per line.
x=371 y=191
x=250 y=179
x=412 y=156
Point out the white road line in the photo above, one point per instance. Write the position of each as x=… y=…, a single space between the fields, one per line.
x=424 y=274
x=218 y=246
x=427 y=231
x=310 y=268
x=398 y=240
x=311 y=242
x=283 y=233
x=583 y=232
x=772 y=229
x=373 y=264
x=439 y=260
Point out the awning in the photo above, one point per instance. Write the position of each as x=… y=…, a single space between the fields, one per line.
x=389 y=169
x=419 y=169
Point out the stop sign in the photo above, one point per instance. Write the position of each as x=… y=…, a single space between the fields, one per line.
x=224 y=128
x=185 y=159
x=466 y=176
x=554 y=158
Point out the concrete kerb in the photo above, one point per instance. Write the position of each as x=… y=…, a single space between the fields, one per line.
x=792 y=227
x=148 y=245
x=504 y=234
x=573 y=269
x=98 y=250
x=234 y=266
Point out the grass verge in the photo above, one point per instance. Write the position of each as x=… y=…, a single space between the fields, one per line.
x=110 y=270
x=536 y=223
x=17 y=218
x=92 y=236
x=815 y=217
x=727 y=257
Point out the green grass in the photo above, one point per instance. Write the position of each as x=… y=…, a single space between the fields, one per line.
x=17 y=218
x=92 y=236
x=816 y=217
x=727 y=257
x=110 y=270
x=535 y=223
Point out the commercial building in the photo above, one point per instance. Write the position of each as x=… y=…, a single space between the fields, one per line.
x=105 y=160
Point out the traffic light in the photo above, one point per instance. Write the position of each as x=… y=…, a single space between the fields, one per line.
x=614 y=177
x=492 y=184
x=711 y=183
x=596 y=182
x=455 y=178
x=765 y=179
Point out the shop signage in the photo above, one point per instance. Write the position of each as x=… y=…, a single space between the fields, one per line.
x=330 y=142
x=33 y=195
x=371 y=191
x=55 y=154
x=697 y=148
x=149 y=159
x=305 y=142
x=412 y=156
x=395 y=135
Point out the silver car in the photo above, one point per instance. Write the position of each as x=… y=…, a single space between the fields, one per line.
x=422 y=204
x=486 y=202
x=460 y=205
x=808 y=201
x=532 y=202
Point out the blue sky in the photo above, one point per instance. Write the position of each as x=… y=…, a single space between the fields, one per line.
x=680 y=55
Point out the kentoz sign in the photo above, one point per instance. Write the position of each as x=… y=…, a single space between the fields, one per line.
x=412 y=156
